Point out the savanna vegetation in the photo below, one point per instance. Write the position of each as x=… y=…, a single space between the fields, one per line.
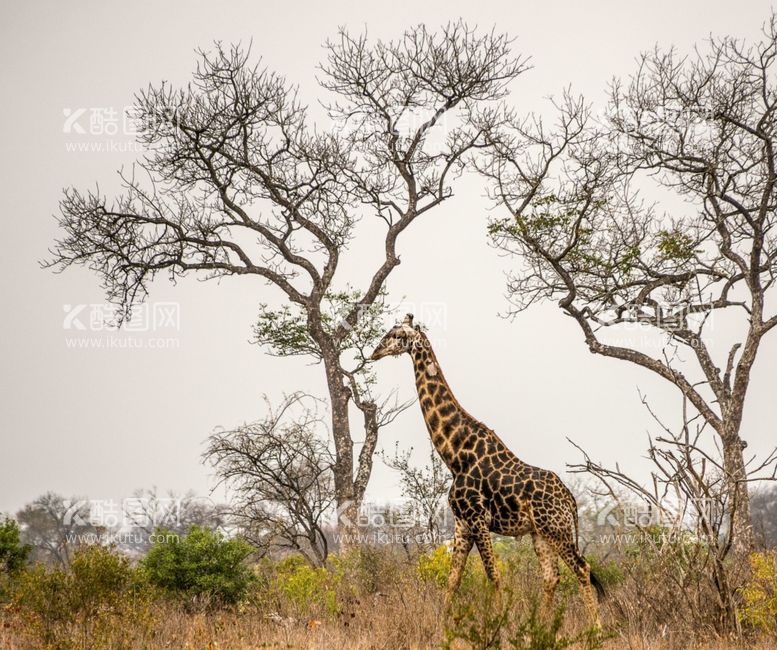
x=203 y=589
x=238 y=181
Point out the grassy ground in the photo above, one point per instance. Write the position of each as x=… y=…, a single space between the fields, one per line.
x=376 y=599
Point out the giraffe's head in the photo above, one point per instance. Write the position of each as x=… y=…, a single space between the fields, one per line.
x=397 y=340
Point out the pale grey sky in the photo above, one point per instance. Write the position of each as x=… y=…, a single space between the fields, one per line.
x=102 y=422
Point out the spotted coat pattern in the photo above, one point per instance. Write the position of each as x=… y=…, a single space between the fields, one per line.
x=493 y=491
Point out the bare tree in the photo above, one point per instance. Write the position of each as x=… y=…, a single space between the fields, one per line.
x=688 y=500
x=236 y=181
x=55 y=526
x=595 y=515
x=280 y=470
x=645 y=286
x=764 y=510
x=426 y=489
x=148 y=510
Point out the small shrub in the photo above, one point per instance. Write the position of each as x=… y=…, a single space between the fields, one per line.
x=514 y=558
x=307 y=588
x=203 y=565
x=435 y=566
x=13 y=554
x=42 y=596
x=87 y=605
x=370 y=569
x=491 y=622
x=480 y=622
x=609 y=573
x=760 y=594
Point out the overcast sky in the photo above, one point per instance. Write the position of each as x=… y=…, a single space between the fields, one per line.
x=101 y=422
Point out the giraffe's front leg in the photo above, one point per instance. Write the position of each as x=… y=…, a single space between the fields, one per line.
x=482 y=536
x=485 y=546
x=462 y=545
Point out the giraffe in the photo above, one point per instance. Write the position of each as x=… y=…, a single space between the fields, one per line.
x=492 y=491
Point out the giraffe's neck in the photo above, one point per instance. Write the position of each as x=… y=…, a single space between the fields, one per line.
x=457 y=436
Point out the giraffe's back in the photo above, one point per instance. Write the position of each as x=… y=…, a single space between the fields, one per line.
x=519 y=498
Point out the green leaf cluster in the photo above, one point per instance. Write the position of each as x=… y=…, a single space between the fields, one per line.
x=203 y=563
x=286 y=331
x=675 y=245
x=85 y=605
x=13 y=554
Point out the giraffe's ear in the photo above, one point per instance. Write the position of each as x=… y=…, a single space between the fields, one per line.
x=408 y=320
x=417 y=328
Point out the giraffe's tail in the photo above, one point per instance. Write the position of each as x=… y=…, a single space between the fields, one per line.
x=600 y=593
x=577 y=525
x=595 y=583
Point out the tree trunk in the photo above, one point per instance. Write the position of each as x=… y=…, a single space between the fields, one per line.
x=346 y=499
x=743 y=539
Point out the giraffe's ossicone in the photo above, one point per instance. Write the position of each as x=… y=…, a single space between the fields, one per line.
x=493 y=491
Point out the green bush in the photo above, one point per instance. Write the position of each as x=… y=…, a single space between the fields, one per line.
x=370 y=569
x=13 y=554
x=759 y=595
x=491 y=621
x=202 y=565
x=609 y=573
x=512 y=558
x=86 y=605
x=435 y=566
x=307 y=589
x=43 y=598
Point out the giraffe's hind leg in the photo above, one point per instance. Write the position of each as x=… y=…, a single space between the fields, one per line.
x=462 y=545
x=567 y=551
x=548 y=559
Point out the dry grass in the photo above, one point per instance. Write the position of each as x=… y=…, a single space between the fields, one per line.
x=402 y=620
x=377 y=602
